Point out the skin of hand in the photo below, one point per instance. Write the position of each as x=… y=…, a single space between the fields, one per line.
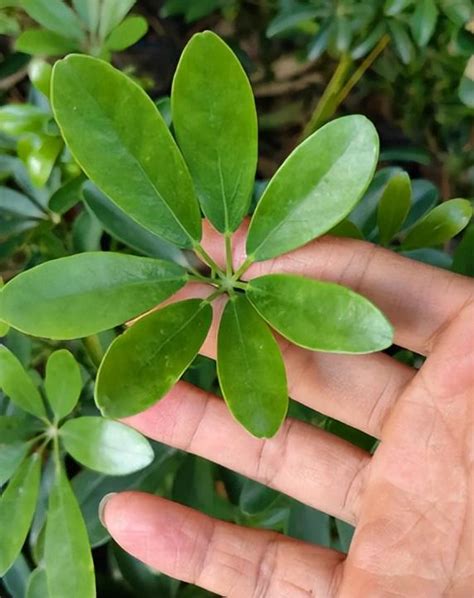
x=411 y=501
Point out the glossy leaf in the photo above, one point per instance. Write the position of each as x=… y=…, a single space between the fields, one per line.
x=106 y=446
x=86 y=233
x=441 y=224
x=111 y=13
x=117 y=135
x=127 y=33
x=89 y=11
x=37 y=584
x=321 y=316
x=40 y=42
x=308 y=524
x=428 y=255
x=39 y=153
x=143 y=364
x=39 y=72
x=394 y=206
x=425 y=196
x=15 y=581
x=345 y=532
x=251 y=369
x=66 y=196
x=17 y=385
x=63 y=382
x=315 y=188
x=22 y=118
x=56 y=16
x=215 y=121
x=116 y=222
x=463 y=262
x=256 y=497
x=17 y=506
x=83 y=294
x=16 y=428
x=401 y=41
x=423 y=21
x=68 y=559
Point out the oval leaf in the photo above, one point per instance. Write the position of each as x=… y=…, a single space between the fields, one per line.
x=37 y=584
x=321 y=316
x=251 y=370
x=83 y=294
x=56 y=16
x=63 y=382
x=68 y=559
x=127 y=33
x=11 y=457
x=106 y=446
x=17 y=506
x=142 y=364
x=315 y=188
x=117 y=135
x=394 y=206
x=215 y=121
x=441 y=224
x=16 y=384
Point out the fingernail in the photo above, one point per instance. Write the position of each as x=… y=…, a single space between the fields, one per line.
x=103 y=503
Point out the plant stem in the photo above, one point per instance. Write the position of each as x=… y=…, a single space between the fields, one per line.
x=203 y=279
x=214 y=295
x=361 y=69
x=202 y=253
x=243 y=268
x=94 y=349
x=327 y=105
x=228 y=254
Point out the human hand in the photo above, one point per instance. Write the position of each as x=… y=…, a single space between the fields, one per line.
x=411 y=502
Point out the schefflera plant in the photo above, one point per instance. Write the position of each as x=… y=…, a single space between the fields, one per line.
x=118 y=137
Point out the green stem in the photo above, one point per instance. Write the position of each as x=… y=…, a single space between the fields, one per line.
x=57 y=457
x=203 y=279
x=241 y=285
x=206 y=258
x=361 y=69
x=214 y=295
x=243 y=268
x=327 y=105
x=228 y=254
x=94 y=349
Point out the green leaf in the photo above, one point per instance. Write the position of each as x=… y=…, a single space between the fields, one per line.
x=463 y=262
x=433 y=257
x=458 y=11
x=16 y=384
x=425 y=196
x=106 y=446
x=369 y=41
x=215 y=121
x=116 y=222
x=84 y=294
x=127 y=33
x=288 y=20
x=40 y=42
x=16 y=428
x=15 y=204
x=315 y=188
x=39 y=153
x=22 y=118
x=117 y=135
x=89 y=11
x=16 y=579
x=308 y=524
x=345 y=532
x=68 y=559
x=142 y=364
x=402 y=42
x=112 y=13
x=394 y=206
x=256 y=497
x=423 y=21
x=86 y=233
x=37 y=584
x=39 y=72
x=11 y=457
x=17 y=507
x=66 y=196
x=441 y=224
x=251 y=369
x=63 y=382
x=346 y=228
x=321 y=316
x=56 y=16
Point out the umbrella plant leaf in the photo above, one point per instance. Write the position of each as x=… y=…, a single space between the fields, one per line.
x=315 y=188
x=86 y=293
x=251 y=369
x=321 y=316
x=17 y=507
x=394 y=206
x=67 y=554
x=63 y=382
x=106 y=446
x=17 y=384
x=440 y=225
x=215 y=121
x=117 y=135
x=143 y=363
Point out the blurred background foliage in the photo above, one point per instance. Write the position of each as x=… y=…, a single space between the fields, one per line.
x=406 y=64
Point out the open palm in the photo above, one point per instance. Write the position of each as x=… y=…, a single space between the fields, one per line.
x=411 y=502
